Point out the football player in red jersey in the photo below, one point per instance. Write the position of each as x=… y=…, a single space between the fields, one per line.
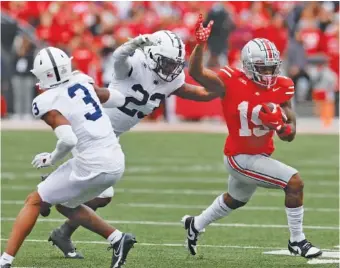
x=252 y=122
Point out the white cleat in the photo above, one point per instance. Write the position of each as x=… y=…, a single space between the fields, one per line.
x=304 y=248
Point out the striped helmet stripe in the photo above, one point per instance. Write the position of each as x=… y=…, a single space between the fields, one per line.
x=55 y=68
x=172 y=41
x=268 y=48
x=179 y=45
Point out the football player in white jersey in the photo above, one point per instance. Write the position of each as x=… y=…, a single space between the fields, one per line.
x=71 y=106
x=147 y=69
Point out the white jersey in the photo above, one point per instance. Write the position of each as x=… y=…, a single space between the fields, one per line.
x=144 y=91
x=77 y=101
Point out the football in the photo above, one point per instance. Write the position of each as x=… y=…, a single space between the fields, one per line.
x=273 y=108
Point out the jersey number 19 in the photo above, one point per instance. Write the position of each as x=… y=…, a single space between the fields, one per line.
x=245 y=131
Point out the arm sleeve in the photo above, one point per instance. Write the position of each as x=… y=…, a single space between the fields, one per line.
x=67 y=140
x=121 y=62
x=116 y=99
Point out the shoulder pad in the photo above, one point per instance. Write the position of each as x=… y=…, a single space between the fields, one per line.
x=43 y=103
x=285 y=82
x=81 y=77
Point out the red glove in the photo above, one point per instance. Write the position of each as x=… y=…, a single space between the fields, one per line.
x=271 y=119
x=202 y=34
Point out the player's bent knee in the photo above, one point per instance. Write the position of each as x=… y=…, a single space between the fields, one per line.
x=233 y=203
x=33 y=199
x=295 y=183
x=98 y=202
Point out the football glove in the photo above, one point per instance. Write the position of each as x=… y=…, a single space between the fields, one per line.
x=202 y=34
x=271 y=119
x=42 y=160
x=143 y=41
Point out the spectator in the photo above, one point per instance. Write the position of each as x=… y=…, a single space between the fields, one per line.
x=296 y=63
x=325 y=83
x=221 y=29
x=23 y=81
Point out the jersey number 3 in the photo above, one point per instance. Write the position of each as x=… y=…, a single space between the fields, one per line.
x=87 y=100
x=245 y=131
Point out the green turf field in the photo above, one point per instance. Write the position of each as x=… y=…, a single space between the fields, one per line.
x=169 y=175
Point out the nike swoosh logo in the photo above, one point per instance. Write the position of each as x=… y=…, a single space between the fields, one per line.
x=117 y=252
x=274 y=123
x=276 y=89
x=72 y=254
x=191 y=233
x=296 y=248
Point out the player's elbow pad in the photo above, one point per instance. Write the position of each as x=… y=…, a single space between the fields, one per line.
x=66 y=136
x=116 y=99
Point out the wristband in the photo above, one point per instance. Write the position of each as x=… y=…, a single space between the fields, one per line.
x=286 y=130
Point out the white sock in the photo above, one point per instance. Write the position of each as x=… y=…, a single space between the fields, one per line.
x=6 y=258
x=115 y=236
x=217 y=210
x=295 y=220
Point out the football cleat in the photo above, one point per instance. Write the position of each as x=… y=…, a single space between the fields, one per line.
x=7 y=265
x=64 y=244
x=304 y=249
x=121 y=249
x=192 y=233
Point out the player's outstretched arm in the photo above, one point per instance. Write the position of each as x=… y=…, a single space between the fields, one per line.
x=109 y=98
x=195 y=93
x=67 y=140
x=288 y=131
x=204 y=76
x=121 y=64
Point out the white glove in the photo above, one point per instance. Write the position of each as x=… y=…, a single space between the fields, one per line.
x=143 y=40
x=42 y=160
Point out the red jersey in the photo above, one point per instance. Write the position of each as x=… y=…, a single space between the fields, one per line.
x=241 y=106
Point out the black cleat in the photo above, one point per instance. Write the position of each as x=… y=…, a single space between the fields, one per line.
x=304 y=249
x=64 y=244
x=7 y=265
x=192 y=233
x=121 y=249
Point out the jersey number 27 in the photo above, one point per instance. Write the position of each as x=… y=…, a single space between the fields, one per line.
x=87 y=100
x=245 y=131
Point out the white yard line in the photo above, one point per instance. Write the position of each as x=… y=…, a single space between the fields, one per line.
x=180 y=206
x=165 y=223
x=306 y=126
x=159 y=244
x=162 y=179
x=191 y=192
x=308 y=170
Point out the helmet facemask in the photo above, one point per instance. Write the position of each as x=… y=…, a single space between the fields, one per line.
x=167 y=69
x=265 y=74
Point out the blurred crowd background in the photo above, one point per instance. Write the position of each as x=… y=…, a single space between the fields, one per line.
x=306 y=34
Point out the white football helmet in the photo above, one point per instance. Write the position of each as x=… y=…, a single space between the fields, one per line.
x=261 y=61
x=52 y=67
x=166 y=56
